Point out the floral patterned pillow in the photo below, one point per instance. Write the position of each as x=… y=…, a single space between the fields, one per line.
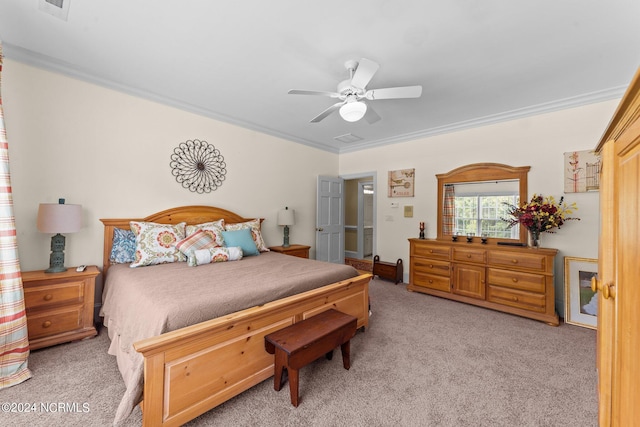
x=156 y=243
x=123 y=249
x=214 y=229
x=254 y=226
x=207 y=256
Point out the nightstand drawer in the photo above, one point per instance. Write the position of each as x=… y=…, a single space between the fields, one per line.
x=50 y=295
x=54 y=322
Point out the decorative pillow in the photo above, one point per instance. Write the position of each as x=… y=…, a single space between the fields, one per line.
x=156 y=243
x=198 y=240
x=214 y=229
x=254 y=226
x=207 y=256
x=123 y=249
x=243 y=239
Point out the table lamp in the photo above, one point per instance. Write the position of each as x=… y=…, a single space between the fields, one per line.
x=58 y=218
x=286 y=218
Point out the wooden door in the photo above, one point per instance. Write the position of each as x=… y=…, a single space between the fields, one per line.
x=618 y=346
x=626 y=391
x=330 y=220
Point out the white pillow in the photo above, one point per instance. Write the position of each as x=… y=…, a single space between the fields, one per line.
x=207 y=256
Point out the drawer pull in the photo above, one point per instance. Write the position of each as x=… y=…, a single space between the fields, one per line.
x=48 y=297
x=515 y=261
x=468 y=255
x=46 y=324
x=430 y=251
x=430 y=281
x=430 y=265
x=515 y=280
x=514 y=299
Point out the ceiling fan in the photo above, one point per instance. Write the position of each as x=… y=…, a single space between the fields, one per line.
x=353 y=92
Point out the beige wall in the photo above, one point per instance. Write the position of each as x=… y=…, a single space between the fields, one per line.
x=537 y=141
x=110 y=152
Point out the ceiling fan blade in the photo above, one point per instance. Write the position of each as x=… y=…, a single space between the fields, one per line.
x=394 y=92
x=371 y=116
x=326 y=112
x=364 y=73
x=313 y=92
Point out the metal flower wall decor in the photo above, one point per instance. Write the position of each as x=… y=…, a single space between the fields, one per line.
x=198 y=166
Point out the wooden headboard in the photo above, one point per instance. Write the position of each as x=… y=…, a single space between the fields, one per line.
x=192 y=215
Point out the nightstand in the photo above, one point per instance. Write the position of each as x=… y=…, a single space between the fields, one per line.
x=59 y=306
x=301 y=251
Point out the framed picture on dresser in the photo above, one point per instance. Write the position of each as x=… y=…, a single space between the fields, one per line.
x=581 y=303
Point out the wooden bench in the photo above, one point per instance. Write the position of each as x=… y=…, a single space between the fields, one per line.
x=388 y=270
x=301 y=343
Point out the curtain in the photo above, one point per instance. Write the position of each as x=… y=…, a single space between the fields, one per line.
x=14 y=343
x=449 y=210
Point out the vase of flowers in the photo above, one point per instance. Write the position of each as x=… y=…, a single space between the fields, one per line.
x=540 y=215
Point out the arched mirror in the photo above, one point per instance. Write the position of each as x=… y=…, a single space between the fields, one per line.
x=472 y=199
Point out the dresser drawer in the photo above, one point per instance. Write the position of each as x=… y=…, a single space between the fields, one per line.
x=516 y=280
x=515 y=298
x=431 y=281
x=431 y=251
x=54 y=322
x=36 y=297
x=429 y=266
x=469 y=255
x=528 y=260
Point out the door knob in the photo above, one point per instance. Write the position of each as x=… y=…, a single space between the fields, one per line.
x=320 y=229
x=608 y=290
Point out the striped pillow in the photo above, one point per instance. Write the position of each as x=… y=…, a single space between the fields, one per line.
x=196 y=241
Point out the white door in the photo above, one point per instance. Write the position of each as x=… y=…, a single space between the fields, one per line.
x=330 y=220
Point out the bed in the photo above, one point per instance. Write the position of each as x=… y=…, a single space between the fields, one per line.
x=199 y=355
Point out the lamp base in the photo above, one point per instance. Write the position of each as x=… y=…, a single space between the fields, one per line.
x=286 y=237
x=56 y=259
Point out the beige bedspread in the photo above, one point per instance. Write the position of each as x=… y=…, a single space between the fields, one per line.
x=143 y=302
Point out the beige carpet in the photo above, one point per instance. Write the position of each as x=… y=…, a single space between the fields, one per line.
x=423 y=361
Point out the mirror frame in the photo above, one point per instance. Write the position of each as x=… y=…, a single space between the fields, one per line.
x=483 y=172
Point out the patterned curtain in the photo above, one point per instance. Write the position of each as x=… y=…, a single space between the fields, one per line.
x=449 y=210
x=14 y=343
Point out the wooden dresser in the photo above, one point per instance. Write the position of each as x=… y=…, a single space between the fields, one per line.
x=59 y=305
x=513 y=279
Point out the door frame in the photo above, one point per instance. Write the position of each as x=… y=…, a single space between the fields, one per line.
x=373 y=175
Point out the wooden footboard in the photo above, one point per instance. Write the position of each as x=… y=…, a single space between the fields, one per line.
x=189 y=371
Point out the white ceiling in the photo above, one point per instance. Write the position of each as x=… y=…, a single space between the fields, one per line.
x=478 y=61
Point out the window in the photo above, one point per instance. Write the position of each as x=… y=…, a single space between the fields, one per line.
x=480 y=214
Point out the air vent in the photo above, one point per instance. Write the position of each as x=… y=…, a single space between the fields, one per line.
x=347 y=137
x=57 y=8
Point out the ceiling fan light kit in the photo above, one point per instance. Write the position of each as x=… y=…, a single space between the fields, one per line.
x=352 y=93
x=353 y=111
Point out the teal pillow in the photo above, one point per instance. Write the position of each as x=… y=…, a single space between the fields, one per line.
x=241 y=238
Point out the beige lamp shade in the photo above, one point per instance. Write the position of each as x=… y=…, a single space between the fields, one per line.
x=286 y=217
x=59 y=218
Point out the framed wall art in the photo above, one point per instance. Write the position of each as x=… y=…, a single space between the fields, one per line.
x=581 y=303
x=401 y=183
x=581 y=171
